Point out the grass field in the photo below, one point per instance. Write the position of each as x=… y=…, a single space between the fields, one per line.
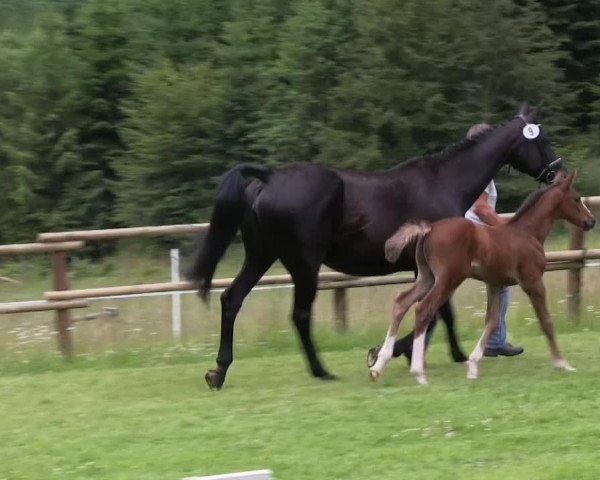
x=132 y=404
x=150 y=416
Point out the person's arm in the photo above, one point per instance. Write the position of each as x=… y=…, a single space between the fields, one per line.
x=486 y=213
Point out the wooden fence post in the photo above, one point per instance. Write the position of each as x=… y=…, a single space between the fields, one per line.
x=340 y=309
x=574 y=276
x=63 y=316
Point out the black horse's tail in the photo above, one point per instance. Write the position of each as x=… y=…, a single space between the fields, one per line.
x=226 y=219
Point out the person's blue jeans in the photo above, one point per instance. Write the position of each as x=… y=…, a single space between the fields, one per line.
x=497 y=338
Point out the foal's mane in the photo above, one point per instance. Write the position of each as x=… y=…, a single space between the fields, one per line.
x=531 y=200
x=452 y=149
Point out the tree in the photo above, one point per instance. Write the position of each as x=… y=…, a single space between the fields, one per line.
x=577 y=26
x=173 y=131
x=100 y=41
x=311 y=57
x=246 y=54
x=423 y=71
x=38 y=127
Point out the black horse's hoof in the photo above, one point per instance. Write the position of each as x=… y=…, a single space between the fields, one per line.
x=459 y=357
x=322 y=374
x=214 y=379
x=327 y=376
x=372 y=355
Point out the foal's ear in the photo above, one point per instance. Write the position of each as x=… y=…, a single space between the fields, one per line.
x=568 y=181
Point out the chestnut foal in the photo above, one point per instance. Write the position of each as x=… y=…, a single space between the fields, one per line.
x=450 y=250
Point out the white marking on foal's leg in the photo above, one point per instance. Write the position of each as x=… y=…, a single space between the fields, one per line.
x=476 y=354
x=416 y=364
x=562 y=364
x=384 y=355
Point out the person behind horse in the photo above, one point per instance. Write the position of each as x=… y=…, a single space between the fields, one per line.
x=483 y=211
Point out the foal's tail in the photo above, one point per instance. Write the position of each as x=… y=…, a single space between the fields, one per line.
x=405 y=235
x=227 y=216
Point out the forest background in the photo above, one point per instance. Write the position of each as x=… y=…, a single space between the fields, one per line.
x=125 y=112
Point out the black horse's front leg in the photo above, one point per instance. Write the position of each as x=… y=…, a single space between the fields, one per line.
x=404 y=345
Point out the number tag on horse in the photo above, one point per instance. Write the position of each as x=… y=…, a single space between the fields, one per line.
x=531 y=131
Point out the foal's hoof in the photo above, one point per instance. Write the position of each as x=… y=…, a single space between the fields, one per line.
x=214 y=379
x=564 y=365
x=374 y=374
x=372 y=356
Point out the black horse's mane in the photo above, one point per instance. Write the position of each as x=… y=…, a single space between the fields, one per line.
x=452 y=149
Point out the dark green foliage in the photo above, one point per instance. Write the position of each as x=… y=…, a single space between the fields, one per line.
x=577 y=26
x=173 y=131
x=123 y=112
x=38 y=128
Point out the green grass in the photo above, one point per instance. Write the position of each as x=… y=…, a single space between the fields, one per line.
x=154 y=418
x=131 y=404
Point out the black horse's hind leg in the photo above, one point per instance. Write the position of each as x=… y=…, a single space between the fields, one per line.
x=231 y=302
x=404 y=345
x=305 y=276
x=447 y=315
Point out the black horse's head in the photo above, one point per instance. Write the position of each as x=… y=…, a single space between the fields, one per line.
x=532 y=153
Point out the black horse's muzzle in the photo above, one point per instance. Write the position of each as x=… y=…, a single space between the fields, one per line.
x=548 y=173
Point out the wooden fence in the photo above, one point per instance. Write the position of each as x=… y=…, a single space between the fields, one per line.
x=62 y=298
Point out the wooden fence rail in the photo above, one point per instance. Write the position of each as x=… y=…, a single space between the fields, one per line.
x=59 y=282
x=26 y=248
x=113 y=233
x=62 y=298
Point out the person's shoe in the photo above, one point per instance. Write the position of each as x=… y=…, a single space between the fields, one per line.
x=506 y=350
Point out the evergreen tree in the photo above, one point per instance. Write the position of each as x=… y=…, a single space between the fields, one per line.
x=38 y=128
x=310 y=59
x=247 y=53
x=173 y=130
x=424 y=71
x=577 y=26
x=100 y=39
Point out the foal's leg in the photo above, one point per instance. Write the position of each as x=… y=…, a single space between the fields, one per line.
x=231 y=301
x=492 y=317
x=537 y=294
x=439 y=294
x=401 y=305
x=404 y=345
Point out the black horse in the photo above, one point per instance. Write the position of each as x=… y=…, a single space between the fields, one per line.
x=307 y=215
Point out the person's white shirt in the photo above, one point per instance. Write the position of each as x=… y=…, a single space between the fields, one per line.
x=492 y=197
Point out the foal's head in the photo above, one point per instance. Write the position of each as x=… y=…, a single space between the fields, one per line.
x=532 y=153
x=571 y=208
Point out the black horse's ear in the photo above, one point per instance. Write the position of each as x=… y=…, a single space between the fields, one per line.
x=535 y=114
x=560 y=175
x=524 y=110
